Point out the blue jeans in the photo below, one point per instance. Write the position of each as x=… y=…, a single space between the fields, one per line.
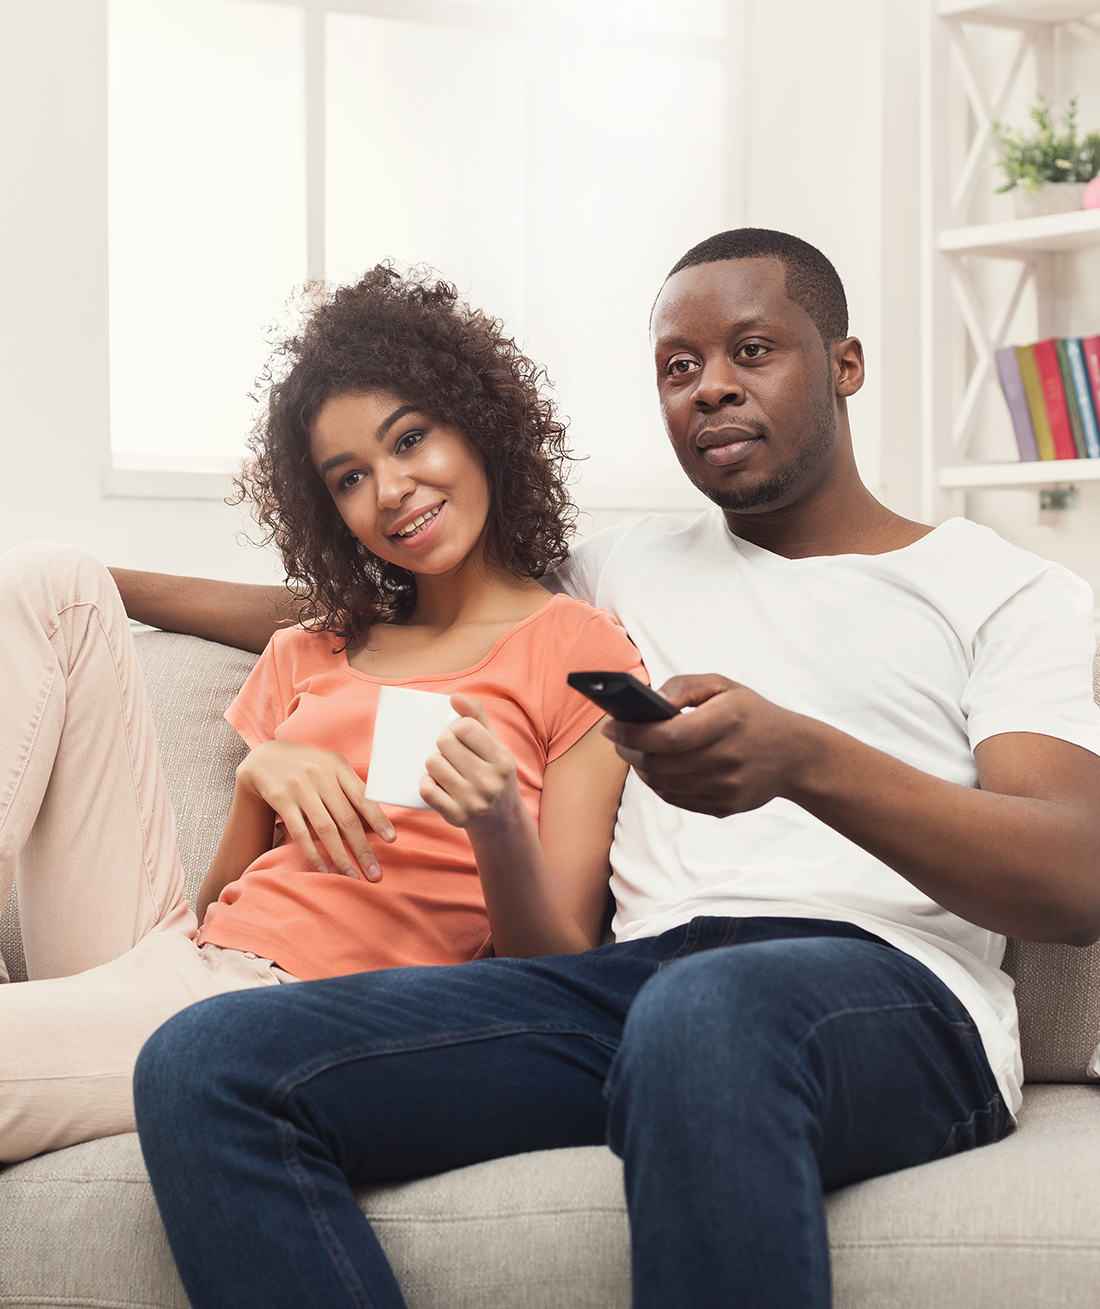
x=740 y=1068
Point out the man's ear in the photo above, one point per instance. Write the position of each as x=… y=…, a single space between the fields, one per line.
x=848 y=370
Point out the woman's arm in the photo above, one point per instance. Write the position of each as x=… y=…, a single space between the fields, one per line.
x=545 y=889
x=233 y=613
x=249 y=831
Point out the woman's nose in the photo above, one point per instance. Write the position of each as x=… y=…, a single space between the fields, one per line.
x=393 y=485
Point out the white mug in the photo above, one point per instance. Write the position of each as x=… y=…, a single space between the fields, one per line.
x=406 y=729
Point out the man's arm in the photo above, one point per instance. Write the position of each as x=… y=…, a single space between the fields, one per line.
x=234 y=613
x=1020 y=856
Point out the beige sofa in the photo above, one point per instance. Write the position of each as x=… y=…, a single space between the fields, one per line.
x=1012 y=1226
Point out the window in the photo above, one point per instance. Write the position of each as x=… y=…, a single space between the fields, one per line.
x=551 y=157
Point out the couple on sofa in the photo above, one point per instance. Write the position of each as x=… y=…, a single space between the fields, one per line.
x=813 y=871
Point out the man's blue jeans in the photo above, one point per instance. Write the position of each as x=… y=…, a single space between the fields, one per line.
x=740 y=1067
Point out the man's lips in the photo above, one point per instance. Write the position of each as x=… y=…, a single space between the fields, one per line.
x=726 y=445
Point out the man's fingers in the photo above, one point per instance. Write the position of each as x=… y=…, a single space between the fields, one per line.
x=679 y=735
x=695 y=688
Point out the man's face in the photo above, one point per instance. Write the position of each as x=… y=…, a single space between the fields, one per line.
x=745 y=384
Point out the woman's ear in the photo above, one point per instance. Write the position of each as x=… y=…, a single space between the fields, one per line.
x=848 y=370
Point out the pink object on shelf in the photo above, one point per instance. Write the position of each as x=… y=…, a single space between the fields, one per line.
x=1092 y=194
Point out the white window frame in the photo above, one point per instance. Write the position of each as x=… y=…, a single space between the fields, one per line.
x=138 y=477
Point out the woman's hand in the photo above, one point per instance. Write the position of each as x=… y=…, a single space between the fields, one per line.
x=319 y=798
x=472 y=780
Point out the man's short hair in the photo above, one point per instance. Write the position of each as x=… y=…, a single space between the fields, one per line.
x=812 y=282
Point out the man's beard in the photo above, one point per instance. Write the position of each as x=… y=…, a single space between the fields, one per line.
x=812 y=456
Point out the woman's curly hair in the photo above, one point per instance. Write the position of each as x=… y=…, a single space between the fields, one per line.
x=411 y=335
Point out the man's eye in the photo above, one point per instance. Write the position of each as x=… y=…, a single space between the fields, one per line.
x=753 y=350
x=680 y=367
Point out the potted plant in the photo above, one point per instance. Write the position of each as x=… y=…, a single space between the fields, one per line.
x=1047 y=169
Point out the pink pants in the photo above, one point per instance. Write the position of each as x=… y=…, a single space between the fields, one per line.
x=87 y=829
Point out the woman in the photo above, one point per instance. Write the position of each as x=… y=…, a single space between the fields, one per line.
x=410 y=471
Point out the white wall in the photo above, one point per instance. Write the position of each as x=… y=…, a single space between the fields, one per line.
x=825 y=130
x=53 y=329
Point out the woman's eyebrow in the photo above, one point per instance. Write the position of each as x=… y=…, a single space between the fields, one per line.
x=334 y=460
x=395 y=417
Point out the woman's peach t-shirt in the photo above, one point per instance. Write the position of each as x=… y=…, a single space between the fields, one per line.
x=428 y=908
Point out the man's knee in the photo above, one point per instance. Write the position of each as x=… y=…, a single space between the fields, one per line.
x=735 y=1017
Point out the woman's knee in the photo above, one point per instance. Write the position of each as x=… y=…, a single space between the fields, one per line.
x=48 y=568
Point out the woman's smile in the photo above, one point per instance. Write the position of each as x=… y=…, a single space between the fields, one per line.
x=419 y=526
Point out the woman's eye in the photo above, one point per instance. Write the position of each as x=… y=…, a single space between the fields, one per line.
x=349 y=480
x=409 y=440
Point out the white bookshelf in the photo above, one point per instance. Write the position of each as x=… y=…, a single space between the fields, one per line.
x=959 y=126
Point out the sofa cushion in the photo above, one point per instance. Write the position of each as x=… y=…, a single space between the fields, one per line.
x=1009 y=1226
x=80 y=1228
x=1012 y=1224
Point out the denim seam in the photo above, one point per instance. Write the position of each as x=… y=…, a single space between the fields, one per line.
x=292 y=1080
x=856 y=1012
x=331 y=1242
x=993 y=1109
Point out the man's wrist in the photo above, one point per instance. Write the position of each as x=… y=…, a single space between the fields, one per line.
x=813 y=768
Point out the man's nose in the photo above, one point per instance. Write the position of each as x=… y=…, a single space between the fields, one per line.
x=719 y=384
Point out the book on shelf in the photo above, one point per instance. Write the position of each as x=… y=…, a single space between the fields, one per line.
x=1087 y=407
x=1052 y=389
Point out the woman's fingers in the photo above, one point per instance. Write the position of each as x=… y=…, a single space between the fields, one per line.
x=298 y=831
x=319 y=797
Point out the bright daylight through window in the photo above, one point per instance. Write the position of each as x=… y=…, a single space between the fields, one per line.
x=511 y=148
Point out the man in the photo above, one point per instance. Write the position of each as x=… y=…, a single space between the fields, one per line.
x=895 y=763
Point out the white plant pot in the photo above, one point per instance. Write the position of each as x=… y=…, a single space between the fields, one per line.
x=1051 y=198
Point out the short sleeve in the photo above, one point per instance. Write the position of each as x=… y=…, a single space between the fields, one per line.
x=1032 y=669
x=579 y=575
x=599 y=643
x=263 y=701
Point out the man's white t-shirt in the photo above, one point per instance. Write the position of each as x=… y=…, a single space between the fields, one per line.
x=922 y=652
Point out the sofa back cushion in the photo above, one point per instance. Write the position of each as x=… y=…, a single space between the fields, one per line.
x=191 y=683
x=1058 y=996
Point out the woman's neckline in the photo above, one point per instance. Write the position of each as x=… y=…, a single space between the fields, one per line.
x=506 y=635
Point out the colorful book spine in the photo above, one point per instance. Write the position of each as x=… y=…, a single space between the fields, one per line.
x=1054 y=398
x=1008 y=366
x=1075 y=425
x=1033 y=389
x=1090 y=348
x=1086 y=403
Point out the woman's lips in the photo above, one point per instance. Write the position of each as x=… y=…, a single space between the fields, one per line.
x=425 y=530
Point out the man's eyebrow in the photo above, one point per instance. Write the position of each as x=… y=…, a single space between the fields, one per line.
x=749 y=322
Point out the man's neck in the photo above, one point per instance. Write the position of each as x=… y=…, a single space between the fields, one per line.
x=847 y=520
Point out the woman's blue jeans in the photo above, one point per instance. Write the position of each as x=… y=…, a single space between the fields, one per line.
x=740 y=1068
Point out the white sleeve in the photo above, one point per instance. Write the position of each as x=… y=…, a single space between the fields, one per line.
x=580 y=575
x=1032 y=668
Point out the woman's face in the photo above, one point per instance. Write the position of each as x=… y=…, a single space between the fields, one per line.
x=413 y=490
